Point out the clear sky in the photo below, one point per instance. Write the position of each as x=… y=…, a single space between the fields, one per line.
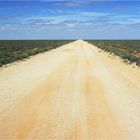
x=75 y=19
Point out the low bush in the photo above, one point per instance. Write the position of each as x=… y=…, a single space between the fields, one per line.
x=12 y=50
x=125 y=49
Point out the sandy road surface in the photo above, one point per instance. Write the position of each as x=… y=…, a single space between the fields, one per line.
x=72 y=92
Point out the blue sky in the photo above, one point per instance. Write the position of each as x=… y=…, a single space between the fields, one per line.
x=50 y=19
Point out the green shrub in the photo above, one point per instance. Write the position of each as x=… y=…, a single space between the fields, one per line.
x=122 y=48
x=11 y=51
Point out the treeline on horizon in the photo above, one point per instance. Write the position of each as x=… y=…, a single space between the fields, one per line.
x=13 y=50
x=129 y=50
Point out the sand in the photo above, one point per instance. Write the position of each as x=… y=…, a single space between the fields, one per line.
x=73 y=92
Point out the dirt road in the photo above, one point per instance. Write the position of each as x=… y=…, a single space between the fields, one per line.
x=72 y=92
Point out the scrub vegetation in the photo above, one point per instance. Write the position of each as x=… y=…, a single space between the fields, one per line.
x=129 y=50
x=13 y=50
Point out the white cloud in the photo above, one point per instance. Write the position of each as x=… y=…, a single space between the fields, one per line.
x=93 y=14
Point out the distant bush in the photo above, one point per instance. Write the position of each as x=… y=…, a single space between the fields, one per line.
x=12 y=50
x=125 y=49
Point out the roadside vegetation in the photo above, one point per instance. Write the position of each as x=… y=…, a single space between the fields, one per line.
x=129 y=50
x=13 y=50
